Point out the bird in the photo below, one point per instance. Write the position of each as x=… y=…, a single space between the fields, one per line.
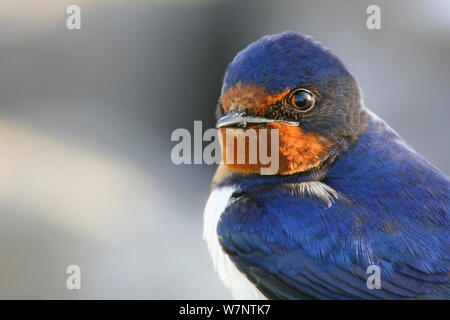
x=348 y=194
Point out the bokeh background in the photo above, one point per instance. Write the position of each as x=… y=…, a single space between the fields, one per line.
x=86 y=117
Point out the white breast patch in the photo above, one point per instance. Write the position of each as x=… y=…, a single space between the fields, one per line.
x=236 y=281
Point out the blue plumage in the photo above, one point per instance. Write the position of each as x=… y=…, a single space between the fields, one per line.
x=370 y=200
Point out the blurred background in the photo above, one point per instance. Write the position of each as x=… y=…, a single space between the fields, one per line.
x=86 y=117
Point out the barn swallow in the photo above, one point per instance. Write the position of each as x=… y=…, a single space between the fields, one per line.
x=349 y=193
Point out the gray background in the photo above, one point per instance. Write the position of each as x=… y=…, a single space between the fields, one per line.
x=86 y=117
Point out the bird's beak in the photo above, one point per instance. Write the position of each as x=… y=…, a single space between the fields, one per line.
x=240 y=120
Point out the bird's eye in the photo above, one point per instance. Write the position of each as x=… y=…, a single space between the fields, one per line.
x=302 y=100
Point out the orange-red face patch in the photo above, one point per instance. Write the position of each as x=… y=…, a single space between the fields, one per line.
x=250 y=97
x=298 y=151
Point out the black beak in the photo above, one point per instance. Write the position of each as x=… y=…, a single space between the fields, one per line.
x=240 y=120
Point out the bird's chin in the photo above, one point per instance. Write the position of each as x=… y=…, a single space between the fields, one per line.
x=271 y=149
x=248 y=150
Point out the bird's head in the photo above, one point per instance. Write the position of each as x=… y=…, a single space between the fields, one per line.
x=291 y=83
